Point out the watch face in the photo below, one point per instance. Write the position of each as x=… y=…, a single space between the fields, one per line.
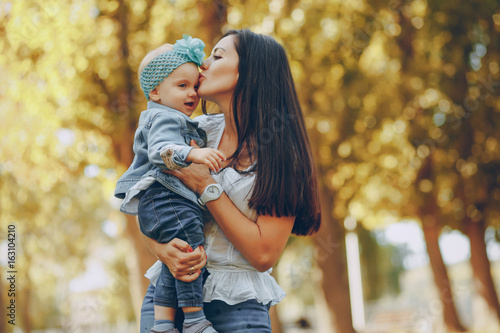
x=213 y=191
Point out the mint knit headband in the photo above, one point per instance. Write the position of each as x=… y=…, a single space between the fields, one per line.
x=187 y=49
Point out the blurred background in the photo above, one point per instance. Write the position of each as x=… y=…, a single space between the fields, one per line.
x=402 y=105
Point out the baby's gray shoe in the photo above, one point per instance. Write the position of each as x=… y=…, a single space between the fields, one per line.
x=171 y=330
x=203 y=326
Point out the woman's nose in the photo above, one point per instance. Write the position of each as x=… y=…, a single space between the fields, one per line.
x=205 y=64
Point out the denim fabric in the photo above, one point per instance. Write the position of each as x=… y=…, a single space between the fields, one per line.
x=250 y=316
x=159 y=126
x=163 y=216
x=173 y=293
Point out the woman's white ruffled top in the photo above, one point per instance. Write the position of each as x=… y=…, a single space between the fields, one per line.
x=232 y=279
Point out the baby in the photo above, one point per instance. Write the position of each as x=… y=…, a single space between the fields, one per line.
x=166 y=208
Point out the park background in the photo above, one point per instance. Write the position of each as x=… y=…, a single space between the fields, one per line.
x=401 y=101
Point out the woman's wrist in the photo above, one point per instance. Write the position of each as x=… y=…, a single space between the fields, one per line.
x=204 y=185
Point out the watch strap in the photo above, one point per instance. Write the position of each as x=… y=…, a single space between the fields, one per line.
x=205 y=197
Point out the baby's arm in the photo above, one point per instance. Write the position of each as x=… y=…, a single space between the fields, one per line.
x=168 y=151
x=166 y=147
x=212 y=158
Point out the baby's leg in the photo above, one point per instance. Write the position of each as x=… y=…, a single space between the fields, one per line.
x=190 y=298
x=155 y=215
x=196 y=322
x=164 y=320
x=165 y=303
x=183 y=219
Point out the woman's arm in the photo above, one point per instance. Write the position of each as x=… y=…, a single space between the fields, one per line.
x=179 y=257
x=261 y=242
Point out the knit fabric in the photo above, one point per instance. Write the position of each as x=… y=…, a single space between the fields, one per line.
x=185 y=50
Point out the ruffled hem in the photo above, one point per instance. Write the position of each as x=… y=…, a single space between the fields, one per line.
x=154 y=272
x=233 y=286
x=238 y=286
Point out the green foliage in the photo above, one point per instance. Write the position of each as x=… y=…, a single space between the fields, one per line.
x=55 y=174
x=384 y=87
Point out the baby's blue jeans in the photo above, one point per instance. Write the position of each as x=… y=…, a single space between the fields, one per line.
x=163 y=216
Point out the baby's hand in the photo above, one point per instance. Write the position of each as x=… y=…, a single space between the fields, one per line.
x=208 y=156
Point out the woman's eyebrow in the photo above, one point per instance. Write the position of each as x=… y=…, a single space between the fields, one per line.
x=218 y=48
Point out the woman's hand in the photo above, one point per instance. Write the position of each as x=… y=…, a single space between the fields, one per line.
x=195 y=176
x=179 y=257
x=183 y=262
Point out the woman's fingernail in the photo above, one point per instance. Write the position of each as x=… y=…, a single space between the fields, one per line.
x=199 y=272
x=190 y=249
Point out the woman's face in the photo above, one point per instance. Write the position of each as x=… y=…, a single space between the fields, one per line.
x=220 y=72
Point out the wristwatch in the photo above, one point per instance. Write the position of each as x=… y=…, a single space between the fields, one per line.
x=212 y=192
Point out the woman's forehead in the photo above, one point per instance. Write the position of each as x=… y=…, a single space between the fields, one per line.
x=226 y=43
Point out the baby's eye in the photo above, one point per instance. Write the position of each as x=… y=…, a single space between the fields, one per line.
x=182 y=85
x=217 y=57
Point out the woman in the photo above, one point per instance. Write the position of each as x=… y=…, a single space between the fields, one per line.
x=269 y=184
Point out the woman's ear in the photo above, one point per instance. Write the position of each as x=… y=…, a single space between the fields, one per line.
x=154 y=95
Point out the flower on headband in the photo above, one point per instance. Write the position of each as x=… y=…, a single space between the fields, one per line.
x=192 y=47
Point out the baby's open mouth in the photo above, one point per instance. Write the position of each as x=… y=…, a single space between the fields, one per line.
x=190 y=104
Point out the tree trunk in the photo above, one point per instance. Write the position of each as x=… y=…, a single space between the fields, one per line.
x=431 y=234
x=213 y=17
x=429 y=214
x=331 y=259
x=276 y=326
x=476 y=194
x=483 y=281
x=3 y=305
x=141 y=260
x=24 y=299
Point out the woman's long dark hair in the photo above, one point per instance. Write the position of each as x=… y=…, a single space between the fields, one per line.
x=271 y=130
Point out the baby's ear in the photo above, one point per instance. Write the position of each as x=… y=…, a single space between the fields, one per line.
x=154 y=95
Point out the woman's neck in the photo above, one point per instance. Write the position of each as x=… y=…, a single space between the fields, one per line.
x=229 y=139
x=229 y=142
x=230 y=132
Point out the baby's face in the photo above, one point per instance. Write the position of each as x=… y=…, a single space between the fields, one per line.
x=179 y=89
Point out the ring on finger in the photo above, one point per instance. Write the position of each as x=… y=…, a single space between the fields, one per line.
x=191 y=270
